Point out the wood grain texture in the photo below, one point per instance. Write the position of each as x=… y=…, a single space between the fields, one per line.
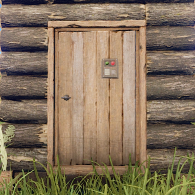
x=142 y=96
x=170 y=38
x=158 y=38
x=170 y=87
x=21 y=158
x=90 y=97
x=159 y=14
x=78 y=98
x=157 y=110
x=137 y=106
x=50 y=97
x=128 y=96
x=28 y=135
x=26 y=2
x=34 y=111
x=39 y=15
x=55 y=145
x=103 y=113
x=158 y=63
x=161 y=136
x=163 y=158
x=99 y=23
x=64 y=108
x=5 y=176
x=171 y=62
x=23 y=87
x=171 y=110
x=24 y=39
x=35 y=2
x=116 y=93
x=21 y=63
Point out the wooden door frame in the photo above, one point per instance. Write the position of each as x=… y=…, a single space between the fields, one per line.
x=141 y=122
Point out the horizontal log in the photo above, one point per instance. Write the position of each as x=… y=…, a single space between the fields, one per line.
x=27 y=135
x=157 y=111
x=159 y=14
x=171 y=110
x=34 y=111
x=170 y=38
x=18 y=63
x=163 y=158
x=21 y=158
x=158 y=87
x=159 y=136
x=29 y=16
x=23 y=87
x=171 y=62
x=34 y=2
x=170 y=87
x=158 y=38
x=159 y=62
x=24 y=39
x=156 y=14
x=27 y=2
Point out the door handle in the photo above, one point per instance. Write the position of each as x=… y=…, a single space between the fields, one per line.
x=66 y=97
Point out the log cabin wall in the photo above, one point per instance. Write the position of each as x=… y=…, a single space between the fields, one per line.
x=170 y=76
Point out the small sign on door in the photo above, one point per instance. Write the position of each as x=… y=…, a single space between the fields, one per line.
x=110 y=68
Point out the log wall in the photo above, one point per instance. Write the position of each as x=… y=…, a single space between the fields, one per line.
x=170 y=72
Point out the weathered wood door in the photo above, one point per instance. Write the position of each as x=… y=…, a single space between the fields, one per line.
x=99 y=119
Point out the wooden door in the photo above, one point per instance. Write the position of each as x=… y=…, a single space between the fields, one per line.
x=99 y=119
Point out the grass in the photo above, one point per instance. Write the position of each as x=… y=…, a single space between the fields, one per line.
x=133 y=182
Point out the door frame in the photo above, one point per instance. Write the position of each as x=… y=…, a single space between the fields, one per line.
x=141 y=122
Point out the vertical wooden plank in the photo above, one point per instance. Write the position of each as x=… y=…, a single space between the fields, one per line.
x=116 y=91
x=65 y=107
x=137 y=150
x=77 y=98
x=56 y=126
x=90 y=98
x=143 y=120
x=102 y=100
x=128 y=96
x=50 y=98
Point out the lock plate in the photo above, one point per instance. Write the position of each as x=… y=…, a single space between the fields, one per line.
x=110 y=68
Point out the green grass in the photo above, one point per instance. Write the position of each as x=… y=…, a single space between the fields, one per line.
x=133 y=182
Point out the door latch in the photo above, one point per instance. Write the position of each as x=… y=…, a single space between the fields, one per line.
x=66 y=97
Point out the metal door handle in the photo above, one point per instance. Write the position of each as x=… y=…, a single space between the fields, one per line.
x=66 y=97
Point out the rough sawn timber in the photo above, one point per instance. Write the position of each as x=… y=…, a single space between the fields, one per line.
x=159 y=136
x=34 y=111
x=171 y=62
x=29 y=63
x=159 y=14
x=170 y=87
x=158 y=38
x=39 y=15
x=21 y=158
x=23 y=87
x=158 y=87
x=158 y=62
